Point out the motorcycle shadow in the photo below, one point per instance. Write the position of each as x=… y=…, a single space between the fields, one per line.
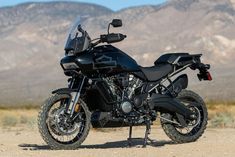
x=136 y=143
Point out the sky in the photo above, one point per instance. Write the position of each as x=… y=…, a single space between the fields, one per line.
x=112 y=4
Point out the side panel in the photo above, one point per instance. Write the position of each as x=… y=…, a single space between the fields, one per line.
x=110 y=60
x=102 y=60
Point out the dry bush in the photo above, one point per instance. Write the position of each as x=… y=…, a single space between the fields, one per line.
x=223 y=120
x=220 y=115
x=24 y=118
x=9 y=121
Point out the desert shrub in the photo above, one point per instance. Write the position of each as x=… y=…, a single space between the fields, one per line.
x=29 y=121
x=9 y=121
x=32 y=122
x=224 y=119
x=24 y=120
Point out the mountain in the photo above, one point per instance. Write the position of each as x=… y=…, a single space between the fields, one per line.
x=32 y=36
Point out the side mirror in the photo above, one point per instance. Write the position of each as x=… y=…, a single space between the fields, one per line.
x=116 y=23
x=79 y=28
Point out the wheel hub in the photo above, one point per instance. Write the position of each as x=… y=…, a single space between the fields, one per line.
x=62 y=124
x=196 y=117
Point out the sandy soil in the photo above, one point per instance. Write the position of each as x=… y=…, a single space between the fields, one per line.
x=214 y=143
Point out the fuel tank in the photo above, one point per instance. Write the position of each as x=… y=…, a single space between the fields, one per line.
x=102 y=60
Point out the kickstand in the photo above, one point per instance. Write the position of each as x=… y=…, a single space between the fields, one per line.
x=147 y=132
x=129 y=138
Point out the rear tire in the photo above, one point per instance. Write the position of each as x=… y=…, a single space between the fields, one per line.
x=171 y=129
x=45 y=132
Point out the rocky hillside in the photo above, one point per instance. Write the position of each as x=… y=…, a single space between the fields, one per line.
x=32 y=37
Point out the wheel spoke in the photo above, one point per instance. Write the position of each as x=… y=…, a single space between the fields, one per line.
x=187 y=129
x=194 y=125
x=66 y=135
x=62 y=129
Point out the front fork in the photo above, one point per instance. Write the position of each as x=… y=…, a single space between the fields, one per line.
x=75 y=95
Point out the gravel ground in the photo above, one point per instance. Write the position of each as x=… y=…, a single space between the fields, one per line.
x=112 y=143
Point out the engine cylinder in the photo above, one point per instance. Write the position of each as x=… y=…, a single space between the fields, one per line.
x=138 y=101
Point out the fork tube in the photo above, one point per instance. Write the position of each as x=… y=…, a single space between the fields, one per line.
x=75 y=97
x=71 y=83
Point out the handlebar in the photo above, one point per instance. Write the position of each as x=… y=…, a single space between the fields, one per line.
x=112 y=38
x=109 y=38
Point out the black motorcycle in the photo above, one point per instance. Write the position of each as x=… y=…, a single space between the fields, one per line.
x=107 y=88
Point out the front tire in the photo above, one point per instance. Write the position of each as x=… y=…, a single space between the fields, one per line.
x=46 y=132
x=172 y=130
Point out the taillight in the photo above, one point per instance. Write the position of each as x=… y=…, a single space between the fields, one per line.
x=204 y=76
x=209 y=78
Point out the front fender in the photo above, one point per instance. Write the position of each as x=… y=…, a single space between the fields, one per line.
x=64 y=91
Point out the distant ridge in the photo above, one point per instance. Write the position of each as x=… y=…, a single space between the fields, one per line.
x=32 y=37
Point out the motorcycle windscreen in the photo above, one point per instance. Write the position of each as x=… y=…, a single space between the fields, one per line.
x=78 y=40
x=69 y=45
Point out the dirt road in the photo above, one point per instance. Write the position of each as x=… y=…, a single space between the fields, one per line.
x=214 y=143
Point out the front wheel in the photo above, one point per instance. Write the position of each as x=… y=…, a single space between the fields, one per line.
x=58 y=129
x=195 y=128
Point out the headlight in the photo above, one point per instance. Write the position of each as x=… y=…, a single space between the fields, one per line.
x=71 y=65
x=70 y=53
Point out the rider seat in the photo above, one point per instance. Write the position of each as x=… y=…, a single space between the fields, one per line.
x=170 y=58
x=155 y=73
x=165 y=64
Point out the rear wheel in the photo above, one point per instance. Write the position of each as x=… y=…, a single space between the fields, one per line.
x=195 y=128
x=57 y=128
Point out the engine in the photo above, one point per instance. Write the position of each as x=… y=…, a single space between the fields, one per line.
x=124 y=86
x=129 y=107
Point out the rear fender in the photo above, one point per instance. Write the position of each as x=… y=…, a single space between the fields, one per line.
x=204 y=74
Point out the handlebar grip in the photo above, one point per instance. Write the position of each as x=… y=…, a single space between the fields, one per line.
x=112 y=38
